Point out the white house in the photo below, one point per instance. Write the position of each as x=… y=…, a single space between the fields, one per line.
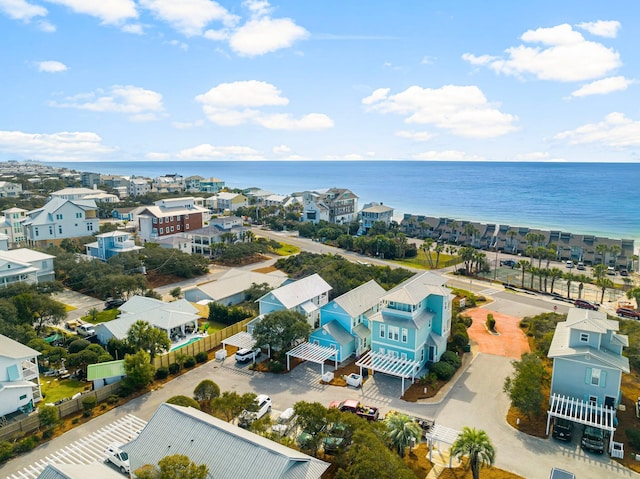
x=75 y=193
x=374 y=212
x=59 y=219
x=10 y=190
x=111 y=244
x=11 y=224
x=25 y=265
x=138 y=186
x=335 y=205
x=19 y=377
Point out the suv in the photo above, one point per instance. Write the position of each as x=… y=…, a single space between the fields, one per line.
x=611 y=271
x=243 y=355
x=580 y=266
x=508 y=262
x=85 y=330
x=593 y=439
x=581 y=303
x=569 y=264
x=113 y=303
x=562 y=429
x=628 y=313
x=263 y=407
x=118 y=458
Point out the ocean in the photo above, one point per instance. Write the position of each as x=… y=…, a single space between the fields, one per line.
x=587 y=198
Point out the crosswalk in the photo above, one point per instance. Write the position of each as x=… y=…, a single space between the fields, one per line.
x=489 y=291
x=89 y=449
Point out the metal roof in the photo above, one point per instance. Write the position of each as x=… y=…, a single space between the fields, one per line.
x=359 y=300
x=15 y=350
x=104 y=370
x=79 y=471
x=362 y=331
x=337 y=332
x=227 y=450
x=301 y=291
x=241 y=340
x=237 y=280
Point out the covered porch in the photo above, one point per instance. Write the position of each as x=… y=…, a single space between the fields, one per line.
x=314 y=353
x=391 y=365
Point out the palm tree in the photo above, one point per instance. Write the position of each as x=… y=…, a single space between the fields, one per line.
x=426 y=248
x=401 y=429
x=599 y=271
x=635 y=294
x=569 y=277
x=438 y=249
x=615 y=251
x=476 y=444
x=582 y=278
x=604 y=283
x=466 y=254
x=602 y=250
x=524 y=264
x=555 y=273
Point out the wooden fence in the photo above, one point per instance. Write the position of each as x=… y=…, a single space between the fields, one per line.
x=32 y=422
x=206 y=344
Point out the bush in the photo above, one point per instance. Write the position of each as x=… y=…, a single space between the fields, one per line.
x=126 y=389
x=633 y=435
x=459 y=341
x=451 y=358
x=276 y=366
x=206 y=390
x=47 y=433
x=202 y=357
x=174 y=368
x=162 y=372
x=78 y=345
x=183 y=401
x=189 y=362
x=75 y=420
x=25 y=445
x=6 y=450
x=88 y=404
x=113 y=399
x=491 y=322
x=443 y=370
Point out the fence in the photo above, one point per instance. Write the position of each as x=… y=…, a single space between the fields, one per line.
x=31 y=423
x=206 y=344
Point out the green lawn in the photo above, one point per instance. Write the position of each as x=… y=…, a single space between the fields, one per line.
x=421 y=260
x=287 y=249
x=102 y=316
x=54 y=389
x=214 y=326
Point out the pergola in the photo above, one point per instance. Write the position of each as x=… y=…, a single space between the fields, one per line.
x=438 y=434
x=394 y=366
x=314 y=353
x=582 y=412
x=240 y=340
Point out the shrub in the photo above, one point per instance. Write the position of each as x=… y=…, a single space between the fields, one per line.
x=202 y=357
x=459 y=341
x=174 y=368
x=451 y=358
x=183 y=401
x=75 y=420
x=633 y=435
x=162 y=372
x=78 y=345
x=276 y=366
x=126 y=389
x=443 y=370
x=103 y=406
x=113 y=399
x=88 y=404
x=491 y=322
x=189 y=362
x=49 y=416
x=47 y=433
x=25 y=445
x=6 y=450
x=206 y=390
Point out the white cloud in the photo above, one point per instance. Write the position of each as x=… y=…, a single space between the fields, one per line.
x=138 y=103
x=602 y=28
x=179 y=44
x=22 y=10
x=565 y=56
x=265 y=35
x=447 y=155
x=189 y=17
x=133 y=28
x=415 y=135
x=462 y=110
x=209 y=152
x=534 y=155
x=311 y=121
x=615 y=130
x=604 y=86
x=61 y=146
x=281 y=150
x=251 y=93
x=258 y=8
x=46 y=27
x=110 y=12
x=52 y=66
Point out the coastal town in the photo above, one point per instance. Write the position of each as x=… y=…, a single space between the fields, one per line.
x=300 y=321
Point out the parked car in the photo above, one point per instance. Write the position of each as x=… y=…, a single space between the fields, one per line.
x=243 y=355
x=592 y=439
x=285 y=422
x=85 y=330
x=338 y=438
x=118 y=458
x=569 y=264
x=582 y=304
x=112 y=303
x=508 y=262
x=354 y=406
x=580 y=266
x=611 y=271
x=628 y=313
x=624 y=272
x=263 y=406
x=561 y=474
x=562 y=429
x=306 y=438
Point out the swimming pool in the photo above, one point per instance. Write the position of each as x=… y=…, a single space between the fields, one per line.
x=192 y=340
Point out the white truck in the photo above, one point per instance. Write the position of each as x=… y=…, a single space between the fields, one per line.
x=118 y=458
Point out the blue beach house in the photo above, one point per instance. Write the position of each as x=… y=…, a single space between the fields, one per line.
x=344 y=322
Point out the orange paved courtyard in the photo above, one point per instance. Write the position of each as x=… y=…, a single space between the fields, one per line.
x=510 y=340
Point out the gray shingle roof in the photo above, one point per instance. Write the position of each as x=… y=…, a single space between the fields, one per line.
x=360 y=299
x=301 y=291
x=227 y=450
x=418 y=287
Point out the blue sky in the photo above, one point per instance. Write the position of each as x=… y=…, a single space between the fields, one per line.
x=153 y=80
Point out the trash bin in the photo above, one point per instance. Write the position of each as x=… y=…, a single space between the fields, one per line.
x=467 y=348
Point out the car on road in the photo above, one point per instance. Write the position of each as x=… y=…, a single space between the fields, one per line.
x=592 y=439
x=624 y=272
x=562 y=429
x=508 y=262
x=628 y=313
x=582 y=304
x=118 y=458
x=245 y=354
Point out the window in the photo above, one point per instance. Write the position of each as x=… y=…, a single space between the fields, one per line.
x=170 y=218
x=161 y=231
x=584 y=337
x=403 y=356
x=155 y=221
x=50 y=230
x=35 y=230
x=154 y=231
x=78 y=215
x=59 y=229
x=595 y=377
x=394 y=332
x=593 y=400
x=161 y=220
x=405 y=334
x=381 y=350
x=186 y=217
x=172 y=229
x=186 y=227
x=58 y=216
x=178 y=218
x=382 y=330
x=178 y=227
x=89 y=226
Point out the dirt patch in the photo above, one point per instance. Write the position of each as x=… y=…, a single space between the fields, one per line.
x=418 y=460
x=464 y=472
x=510 y=341
x=266 y=269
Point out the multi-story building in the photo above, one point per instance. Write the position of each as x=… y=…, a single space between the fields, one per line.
x=60 y=219
x=335 y=205
x=10 y=190
x=11 y=225
x=24 y=265
x=19 y=377
x=168 y=184
x=111 y=244
x=139 y=186
x=211 y=185
x=90 y=180
x=170 y=216
x=224 y=201
x=372 y=213
x=76 y=193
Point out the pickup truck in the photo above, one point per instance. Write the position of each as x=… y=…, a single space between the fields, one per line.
x=369 y=413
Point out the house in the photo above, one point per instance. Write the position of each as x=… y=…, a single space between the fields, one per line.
x=306 y=295
x=11 y=225
x=102 y=374
x=181 y=242
x=257 y=195
x=414 y=320
x=335 y=205
x=372 y=213
x=170 y=216
x=344 y=322
x=230 y=450
x=96 y=470
x=229 y=289
x=111 y=244
x=90 y=180
x=75 y=193
x=178 y=319
x=10 y=190
x=219 y=230
x=124 y=214
x=60 y=219
x=588 y=360
x=211 y=185
x=25 y=266
x=168 y=184
x=138 y=186
x=224 y=201
x=19 y=377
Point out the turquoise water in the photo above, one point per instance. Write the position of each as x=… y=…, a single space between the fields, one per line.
x=192 y=340
x=588 y=198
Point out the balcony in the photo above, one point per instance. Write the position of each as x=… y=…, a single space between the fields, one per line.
x=124 y=244
x=29 y=370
